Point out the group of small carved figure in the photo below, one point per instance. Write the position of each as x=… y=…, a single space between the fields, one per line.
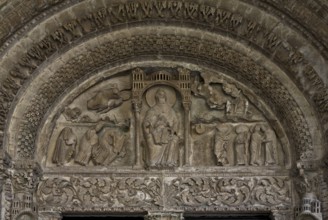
x=100 y=149
x=254 y=146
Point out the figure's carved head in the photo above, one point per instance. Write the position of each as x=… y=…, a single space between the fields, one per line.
x=68 y=136
x=160 y=96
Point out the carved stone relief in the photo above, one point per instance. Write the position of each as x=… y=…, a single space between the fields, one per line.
x=95 y=129
x=165 y=119
x=25 y=176
x=308 y=187
x=223 y=120
x=171 y=193
x=229 y=192
x=234 y=22
x=161 y=128
x=174 y=116
x=104 y=194
x=207 y=122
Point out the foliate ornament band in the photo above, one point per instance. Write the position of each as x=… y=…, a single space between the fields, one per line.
x=155 y=193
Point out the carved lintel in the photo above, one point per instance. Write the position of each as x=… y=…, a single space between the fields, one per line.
x=50 y=216
x=78 y=193
x=164 y=216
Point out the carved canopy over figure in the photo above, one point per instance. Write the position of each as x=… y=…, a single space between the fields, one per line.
x=161 y=128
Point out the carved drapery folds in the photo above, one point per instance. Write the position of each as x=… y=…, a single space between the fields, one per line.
x=165 y=125
x=161 y=119
x=210 y=15
x=164 y=118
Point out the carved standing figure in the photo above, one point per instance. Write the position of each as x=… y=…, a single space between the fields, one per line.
x=161 y=128
x=256 y=146
x=88 y=141
x=222 y=141
x=270 y=145
x=65 y=147
x=241 y=145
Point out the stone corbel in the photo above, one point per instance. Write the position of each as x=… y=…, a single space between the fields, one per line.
x=164 y=216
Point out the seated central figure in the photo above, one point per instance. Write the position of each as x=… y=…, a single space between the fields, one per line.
x=161 y=128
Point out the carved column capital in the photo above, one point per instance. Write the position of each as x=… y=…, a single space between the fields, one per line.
x=164 y=216
x=25 y=175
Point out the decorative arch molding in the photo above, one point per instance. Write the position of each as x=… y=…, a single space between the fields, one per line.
x=70 y=54
x=34 y=56
x=222 y=56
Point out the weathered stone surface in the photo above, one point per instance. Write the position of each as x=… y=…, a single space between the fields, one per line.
x=165 y=107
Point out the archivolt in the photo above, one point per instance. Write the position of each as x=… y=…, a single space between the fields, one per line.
x=81 y=21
